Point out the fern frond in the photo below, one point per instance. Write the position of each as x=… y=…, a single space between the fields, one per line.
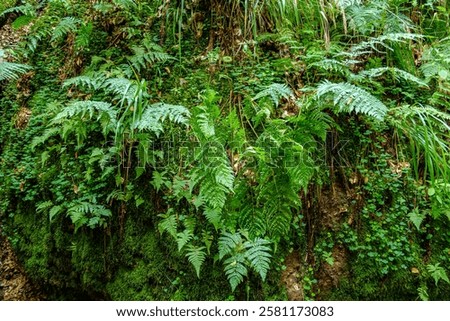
x=65 y=26
x=196 y=255
x=147 y=54
x=253 y=220
x=184 y=237
x=235 y=269
x=87 y=108
x=258 y=255
x=38 y=140
x=168 y=224
x=349 y=98
x=9 y=70
x=214 y=216
x=90 y=82
x=383 y=41
x=123 y=89
x=27 y=10
x=397 y=73
x=213 y=193
x=85 y=213
x=275 y=92
x=228 y=243
x=330 y=65
x=126 y=4
x=155 y=115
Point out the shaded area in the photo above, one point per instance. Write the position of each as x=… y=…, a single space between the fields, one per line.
x=14 y=284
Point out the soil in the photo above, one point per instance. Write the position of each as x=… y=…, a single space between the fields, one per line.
x=291 y=277
x=14 y=283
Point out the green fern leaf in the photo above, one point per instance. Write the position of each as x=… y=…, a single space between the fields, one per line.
x=258 y=255
x=275 y=92
x=155 y=115
x=183 y=238
x=65 y=26
x=397 y=73
x=10 y=70
x=90 y=82
x=228 y=243
x=196 y=255
x=168 y=224
x=213 y=216
x=235 y=269
x=351 y=98
x=214 y=194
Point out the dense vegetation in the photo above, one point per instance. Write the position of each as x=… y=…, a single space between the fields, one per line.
x=204 y=150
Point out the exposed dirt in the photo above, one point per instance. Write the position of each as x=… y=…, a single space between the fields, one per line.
x=329 y=275
x=291 y=277
x=334 y=209
x=10 y=36
x=14 y=284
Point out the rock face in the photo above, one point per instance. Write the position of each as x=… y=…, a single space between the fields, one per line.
x=14 y=284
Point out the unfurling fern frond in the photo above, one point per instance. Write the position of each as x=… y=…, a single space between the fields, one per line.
x=349 y=98
x=196 y=255
x=275 y=92
x=65 y=26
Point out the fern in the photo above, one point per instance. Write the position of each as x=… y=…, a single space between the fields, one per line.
x=88 y=108
x=213 y=216
x=275 y=92
x=331 y=66
x=235 y=269
x=86 y=213
x=184 y=237
x=196 y=256
x=9 y=70
x=65 y=26
x=254 y=254
x=397 y=73
x=146 y=55
x=437 y=273
x=373 y=44
x=90 y=82
x=258 y=255
x=349 y=98
x=228 y=243
x=27 y=10
x=155 y=115
x=168 y=224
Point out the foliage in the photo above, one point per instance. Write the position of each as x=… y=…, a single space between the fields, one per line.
x=138 y=136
